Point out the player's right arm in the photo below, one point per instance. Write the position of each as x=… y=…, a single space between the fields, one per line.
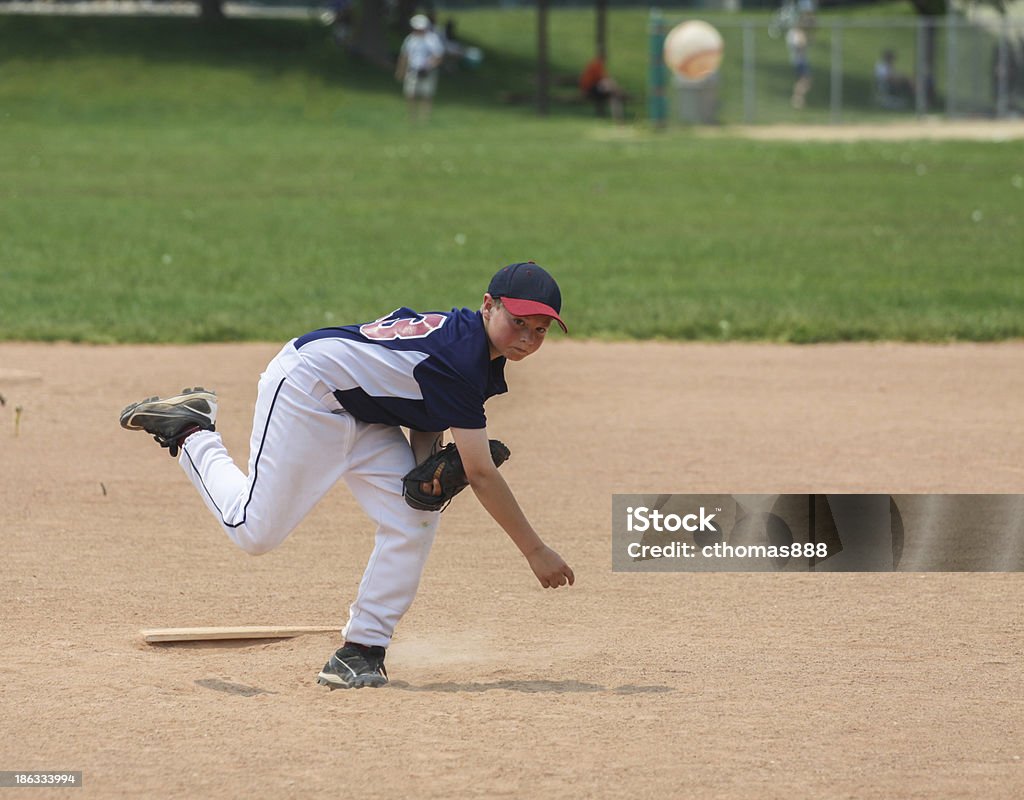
x=497 y=498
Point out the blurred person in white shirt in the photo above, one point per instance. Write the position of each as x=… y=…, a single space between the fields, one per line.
x=418 y=62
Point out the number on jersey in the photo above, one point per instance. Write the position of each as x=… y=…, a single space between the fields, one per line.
x=391 y=327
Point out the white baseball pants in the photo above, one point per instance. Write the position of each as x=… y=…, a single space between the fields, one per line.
x=302 y=443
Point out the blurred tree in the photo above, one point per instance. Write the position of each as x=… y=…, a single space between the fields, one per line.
x=211 y=10
x=369 y=39
x=543 y=71
x=404 y=9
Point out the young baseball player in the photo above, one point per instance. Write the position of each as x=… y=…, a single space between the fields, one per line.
x=332 y=404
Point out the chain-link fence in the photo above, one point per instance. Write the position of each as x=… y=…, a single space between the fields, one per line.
x=856 y=70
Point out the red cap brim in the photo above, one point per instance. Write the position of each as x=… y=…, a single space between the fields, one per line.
x=527 y=308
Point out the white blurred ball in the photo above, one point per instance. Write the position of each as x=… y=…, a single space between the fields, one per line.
x=693 y=50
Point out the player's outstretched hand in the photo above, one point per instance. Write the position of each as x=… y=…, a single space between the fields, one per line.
x=550 y=569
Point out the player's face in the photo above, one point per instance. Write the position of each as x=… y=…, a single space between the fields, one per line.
x=514 y=337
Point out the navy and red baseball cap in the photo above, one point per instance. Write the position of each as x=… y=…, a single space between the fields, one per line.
x=526 y=289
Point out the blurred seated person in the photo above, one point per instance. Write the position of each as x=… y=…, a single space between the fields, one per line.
x=892 y=88
x=597 y=85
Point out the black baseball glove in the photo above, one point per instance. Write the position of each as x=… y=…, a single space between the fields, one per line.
x=444 y=466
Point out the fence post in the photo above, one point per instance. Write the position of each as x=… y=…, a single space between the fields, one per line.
x=836 y=88
x=656 y=106
x=1003 y=71
x=951 y=71
x=920 y=82
x=749 y=74
x=975 y=60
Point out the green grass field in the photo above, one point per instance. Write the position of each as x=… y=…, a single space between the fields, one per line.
x=162 y=182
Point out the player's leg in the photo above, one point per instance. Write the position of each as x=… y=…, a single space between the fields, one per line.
x=297 y=452
x=409 y=89
x=380 y=458
x=427 y=90
x=381 y=455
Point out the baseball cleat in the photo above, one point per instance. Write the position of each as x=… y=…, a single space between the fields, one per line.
x=353 y=667
x=171 y=419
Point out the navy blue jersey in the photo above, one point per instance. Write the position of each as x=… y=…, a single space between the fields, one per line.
x=428 y=372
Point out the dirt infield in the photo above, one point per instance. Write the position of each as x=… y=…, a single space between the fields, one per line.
x=930 y=128
x=627 y=685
